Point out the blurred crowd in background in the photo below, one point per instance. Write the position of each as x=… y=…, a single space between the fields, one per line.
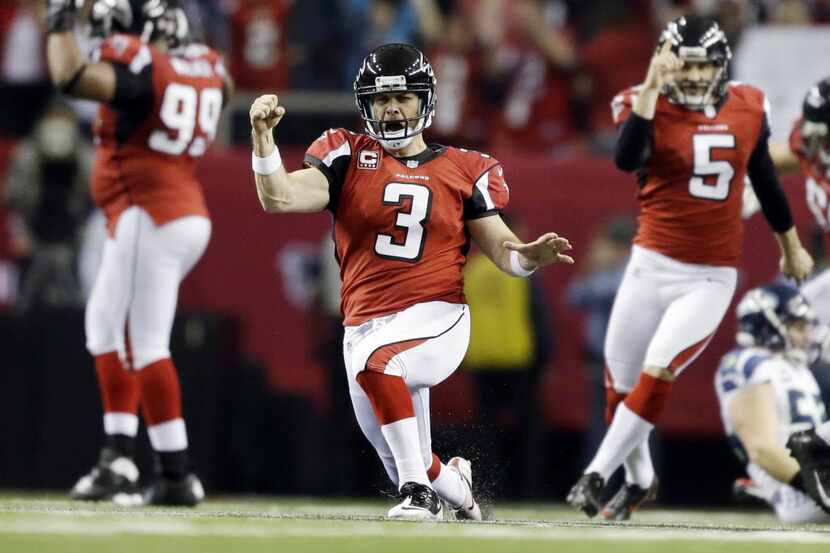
x=534 y=75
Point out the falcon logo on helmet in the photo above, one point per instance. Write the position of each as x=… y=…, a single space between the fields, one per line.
x=698 y=40
x=395 y=68
x=815 y=126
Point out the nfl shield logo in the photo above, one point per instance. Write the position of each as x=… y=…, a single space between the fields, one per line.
x=368 y=159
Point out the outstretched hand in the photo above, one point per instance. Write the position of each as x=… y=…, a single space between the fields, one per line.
x=797 y=264
x=545 y=250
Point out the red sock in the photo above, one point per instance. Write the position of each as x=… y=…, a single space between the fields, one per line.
x=434 y=469
x=388 y=394
x=119 y=387
x=649 y=397
x=612 y=399
x=161 y=396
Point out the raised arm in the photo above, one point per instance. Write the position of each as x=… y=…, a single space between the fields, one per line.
x=71 y=72
x=634 y=142
x=302 y=191
x=501 y=245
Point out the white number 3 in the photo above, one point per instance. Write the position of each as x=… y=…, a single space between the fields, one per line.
x=705 y=167
x=182 y=109
x=413 y=222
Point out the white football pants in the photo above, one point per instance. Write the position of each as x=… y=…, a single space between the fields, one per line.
x=137 y=285
x=445 y=329
x=664 y=314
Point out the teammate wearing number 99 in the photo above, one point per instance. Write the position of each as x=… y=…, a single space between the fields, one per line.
x=161 y=97
x=404 y=213
x=692 y=137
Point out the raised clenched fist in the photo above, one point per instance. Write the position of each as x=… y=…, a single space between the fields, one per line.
x=663 y=68
x=266 y=113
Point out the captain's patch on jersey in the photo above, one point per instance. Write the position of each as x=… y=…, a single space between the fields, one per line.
x=368 y=159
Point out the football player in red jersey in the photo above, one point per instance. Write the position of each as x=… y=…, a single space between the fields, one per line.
x=810 y=145
x=161 y=97
x=810 y=148
x=404 y=213
x=692 y=137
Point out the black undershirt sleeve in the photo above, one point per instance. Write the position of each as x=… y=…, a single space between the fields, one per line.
x=132 y=89
x=761 y=171
x=634 y=143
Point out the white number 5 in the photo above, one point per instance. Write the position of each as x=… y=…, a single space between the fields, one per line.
x=705 y=167
x=182 y=108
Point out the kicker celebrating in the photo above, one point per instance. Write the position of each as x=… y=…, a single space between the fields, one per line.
x=404 y=213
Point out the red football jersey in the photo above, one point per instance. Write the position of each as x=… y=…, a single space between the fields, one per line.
x=399 y=224
x=817 y=182
x=692 y=185
x=146 y=155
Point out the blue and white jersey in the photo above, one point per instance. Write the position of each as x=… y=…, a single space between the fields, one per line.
x=798 y=406
x=798 y=400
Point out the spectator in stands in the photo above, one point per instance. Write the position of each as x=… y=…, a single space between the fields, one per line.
x=510 y=343
x=208 y=20
x=592 y=292
x=24 y=85
x=258 y=44
x=453 y=45
x=530 y=75
x=615 y=40
x=48 y=189
x=370 y=23
x=315 y=41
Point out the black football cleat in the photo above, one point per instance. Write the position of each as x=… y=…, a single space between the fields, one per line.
x=809 y=449
x=628 y=499
x=585 y=495
x=420 y=502
x=113 y=475
x=180 y=492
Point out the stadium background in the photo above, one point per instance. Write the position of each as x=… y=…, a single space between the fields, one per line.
x=260 y=398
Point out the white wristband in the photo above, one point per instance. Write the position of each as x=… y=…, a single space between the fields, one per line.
x=516 y=267
x=266 y=165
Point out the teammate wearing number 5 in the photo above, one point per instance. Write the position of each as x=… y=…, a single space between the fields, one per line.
x=161 y=97
x=692 y=137
x=404 y=213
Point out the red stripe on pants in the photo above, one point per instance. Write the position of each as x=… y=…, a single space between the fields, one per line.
x=380 y=357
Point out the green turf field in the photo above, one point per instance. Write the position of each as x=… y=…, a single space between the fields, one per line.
x=46 y=524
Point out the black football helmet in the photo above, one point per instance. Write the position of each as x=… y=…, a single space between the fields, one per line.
x=394 y=68
x=698 y=39
x=815 y=126
x=164 y=20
